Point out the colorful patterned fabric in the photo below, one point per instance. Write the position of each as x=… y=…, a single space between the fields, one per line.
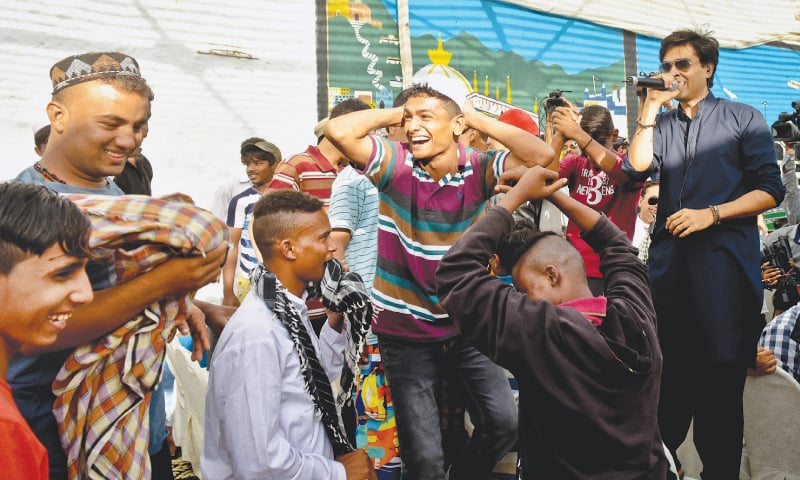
x=103 y=390
x=308 y=172
x=418 y=220
x=376 y=429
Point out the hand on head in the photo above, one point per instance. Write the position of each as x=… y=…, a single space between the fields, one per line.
x=566 y=120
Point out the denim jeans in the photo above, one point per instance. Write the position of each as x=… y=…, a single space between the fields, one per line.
x=411 y=369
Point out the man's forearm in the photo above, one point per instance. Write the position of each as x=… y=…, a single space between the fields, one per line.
x=640 y=151
x=109 y=310
x=528 y=148
x=348 y=133
x=584 y=217
x=748 y=205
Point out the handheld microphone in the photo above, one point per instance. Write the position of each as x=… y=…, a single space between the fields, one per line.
x=651 y=82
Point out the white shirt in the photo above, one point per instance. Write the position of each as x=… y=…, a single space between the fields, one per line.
x=639 y=231
x=224 y=194
x=260 y=421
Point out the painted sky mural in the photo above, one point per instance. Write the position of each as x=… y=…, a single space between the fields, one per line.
x=518 y=56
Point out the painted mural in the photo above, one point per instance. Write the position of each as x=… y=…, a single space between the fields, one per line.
x=517 y=57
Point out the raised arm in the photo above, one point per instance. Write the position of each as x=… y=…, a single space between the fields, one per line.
x=526 y=149
x=565 y=123
x=640 y=151
x=116 y=305
x=522 y=184
x=350 y=132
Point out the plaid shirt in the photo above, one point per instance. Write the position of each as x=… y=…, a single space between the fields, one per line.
x=103 y=390
x=775 y=337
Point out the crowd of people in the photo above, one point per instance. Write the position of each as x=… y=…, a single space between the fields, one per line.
x=420 y=261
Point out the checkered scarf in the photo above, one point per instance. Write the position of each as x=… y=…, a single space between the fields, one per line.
x=103 y=390
x=345 y=293
x=341 y=293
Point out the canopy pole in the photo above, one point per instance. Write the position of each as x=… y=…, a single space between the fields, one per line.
x=404 y=34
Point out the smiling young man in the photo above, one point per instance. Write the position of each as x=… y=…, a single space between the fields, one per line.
x=431 y=189
x=266 y=413
x=98 y=115
x=259 y=158
x=44 y=244
x=718 y=172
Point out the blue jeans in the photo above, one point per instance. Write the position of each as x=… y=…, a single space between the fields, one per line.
x=411 y=369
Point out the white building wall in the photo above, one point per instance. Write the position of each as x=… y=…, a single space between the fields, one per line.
x=205 y=104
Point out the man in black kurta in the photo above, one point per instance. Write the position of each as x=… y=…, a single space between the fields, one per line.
x=588 y=367
x=718 y=172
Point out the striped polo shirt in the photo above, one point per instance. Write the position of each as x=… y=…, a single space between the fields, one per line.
x=308 y=172
x=418 y=220
x=240 y=213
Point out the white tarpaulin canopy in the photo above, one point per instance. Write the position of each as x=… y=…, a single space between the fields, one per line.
x=734 y=23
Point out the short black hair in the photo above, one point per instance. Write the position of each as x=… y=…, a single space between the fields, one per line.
x=401 y=98
x=33 y=219
x=516 y=238
x=274 y=215
x=41 y=136
x=526 y=244
x=596 y=121
x=348 y=106
x=425 y=90
x=705 y=46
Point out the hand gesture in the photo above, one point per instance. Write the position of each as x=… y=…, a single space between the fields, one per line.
x=688 y=221
x=566 y=121
x=770 y=275
x=530 y=183
x=357 y=465
x=663 y=97
x=195 y=324
x=765 y=363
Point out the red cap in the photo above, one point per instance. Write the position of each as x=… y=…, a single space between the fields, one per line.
x=520 y=119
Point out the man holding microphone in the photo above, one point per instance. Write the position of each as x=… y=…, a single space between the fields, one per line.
x=718 y=171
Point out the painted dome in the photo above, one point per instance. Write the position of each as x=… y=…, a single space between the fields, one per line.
x=442 y=77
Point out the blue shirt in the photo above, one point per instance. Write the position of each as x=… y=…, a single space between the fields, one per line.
x=724 y=152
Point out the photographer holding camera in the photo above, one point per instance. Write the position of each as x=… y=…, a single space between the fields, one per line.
x=779 y=272
x=595 y=176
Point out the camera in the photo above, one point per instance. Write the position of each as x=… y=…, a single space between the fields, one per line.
x=554 y=100
x=786 y=128
x=778 y=254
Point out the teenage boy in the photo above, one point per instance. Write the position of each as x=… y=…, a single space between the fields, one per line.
x=259 y=158
x=269 y=407
x=588 y=367
x=44 y=246
x=431 y=189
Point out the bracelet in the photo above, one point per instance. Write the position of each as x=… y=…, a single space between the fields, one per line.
x=645 y=125
x=583 y=148
x=715 y=213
